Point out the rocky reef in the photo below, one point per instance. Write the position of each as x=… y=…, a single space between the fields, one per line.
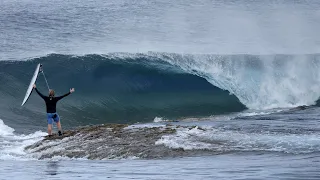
x=108 y=141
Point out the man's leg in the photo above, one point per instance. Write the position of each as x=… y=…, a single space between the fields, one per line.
x=50 y=121
x=59 y=126
x=49 y=129
x=57 y=120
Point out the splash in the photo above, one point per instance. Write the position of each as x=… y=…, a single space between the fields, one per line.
x=12 y=145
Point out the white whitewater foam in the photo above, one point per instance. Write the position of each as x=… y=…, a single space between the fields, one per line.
x=182 y=140
x=159 y=119
x=260 y=112
x=219 y=140
x=12 y=145
x=5 y=130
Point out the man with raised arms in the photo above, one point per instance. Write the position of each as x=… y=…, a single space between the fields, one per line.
x=51 y=104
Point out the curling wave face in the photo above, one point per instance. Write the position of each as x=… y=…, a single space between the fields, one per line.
x=130 y=88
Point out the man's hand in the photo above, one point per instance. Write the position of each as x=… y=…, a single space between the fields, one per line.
x=71 y=90
x=34 y=86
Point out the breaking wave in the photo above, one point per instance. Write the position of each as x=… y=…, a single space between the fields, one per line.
x=130 y=88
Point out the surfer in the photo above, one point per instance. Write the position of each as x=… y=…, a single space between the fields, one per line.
x=51 y=103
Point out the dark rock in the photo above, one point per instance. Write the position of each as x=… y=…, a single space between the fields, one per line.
x=108 y=141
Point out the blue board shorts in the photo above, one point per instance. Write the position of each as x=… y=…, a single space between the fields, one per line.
x=53 y=117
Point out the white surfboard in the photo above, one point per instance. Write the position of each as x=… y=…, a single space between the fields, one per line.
x=30 y=88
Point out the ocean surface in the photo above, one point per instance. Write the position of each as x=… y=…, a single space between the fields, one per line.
x=238 y=81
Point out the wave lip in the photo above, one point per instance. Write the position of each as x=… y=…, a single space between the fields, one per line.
x=258 y=81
